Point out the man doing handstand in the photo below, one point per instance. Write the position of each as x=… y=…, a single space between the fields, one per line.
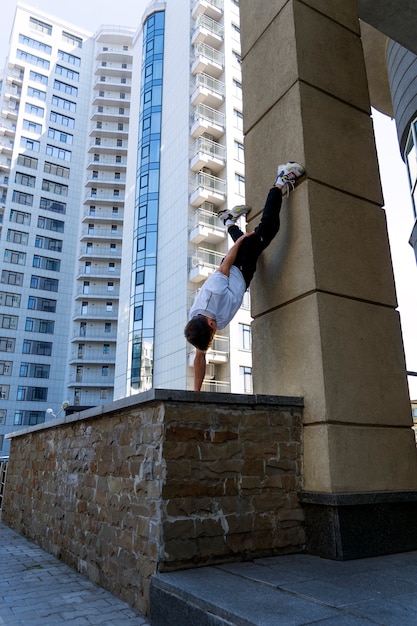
x=221 y=295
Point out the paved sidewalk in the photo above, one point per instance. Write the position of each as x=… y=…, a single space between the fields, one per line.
x=37 y=589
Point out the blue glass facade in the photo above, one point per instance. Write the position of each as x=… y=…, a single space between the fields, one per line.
x=146 y=204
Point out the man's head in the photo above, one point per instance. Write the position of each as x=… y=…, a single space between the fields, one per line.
x=200 y=331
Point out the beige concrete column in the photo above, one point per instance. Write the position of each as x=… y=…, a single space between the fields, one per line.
x=323 y=299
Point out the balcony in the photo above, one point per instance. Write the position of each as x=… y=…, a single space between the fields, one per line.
x=106 y=180
x=209 y=154
x=211 y=8
x=207 y=59
x=208 y=31
x=208 y=91
x=205 y=226
x=109 y=131
x=90 y=355
x=202 y=263
x=101 y=232
x=111 y=69
x=208 y=188
x=97 y=252
x=105 y=162
x=95 y=215
x=110 y=113
x=216 y=386
x=208 y=120
x=104 y=197
x=97 y=272
x=218 y=353
x=97 y=291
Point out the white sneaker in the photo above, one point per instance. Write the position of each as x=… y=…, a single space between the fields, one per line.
x=230 y=217
x=288 y=174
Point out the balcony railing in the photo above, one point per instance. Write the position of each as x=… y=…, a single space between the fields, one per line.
x=216 y=386
x=207 y=119
x=210 y=54
x=207 y=258
x=207 y=23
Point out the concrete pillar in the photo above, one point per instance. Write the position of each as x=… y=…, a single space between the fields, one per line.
x=323 y=299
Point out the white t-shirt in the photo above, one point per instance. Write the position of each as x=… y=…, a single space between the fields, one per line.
x=220 y=297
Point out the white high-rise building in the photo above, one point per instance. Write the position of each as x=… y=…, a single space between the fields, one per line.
x=133 y=136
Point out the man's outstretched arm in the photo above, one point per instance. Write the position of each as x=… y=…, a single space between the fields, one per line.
x=230 y=257
x=199 y=369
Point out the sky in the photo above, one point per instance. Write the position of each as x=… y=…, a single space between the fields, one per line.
x=90 y=14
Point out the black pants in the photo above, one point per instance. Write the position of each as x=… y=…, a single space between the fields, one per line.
x=252 y=247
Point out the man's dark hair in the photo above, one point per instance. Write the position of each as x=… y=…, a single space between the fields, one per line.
x=199 y=333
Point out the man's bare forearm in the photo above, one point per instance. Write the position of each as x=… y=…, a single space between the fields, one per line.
x=199 y=369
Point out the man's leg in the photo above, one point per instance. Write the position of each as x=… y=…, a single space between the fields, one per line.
x=268 y=227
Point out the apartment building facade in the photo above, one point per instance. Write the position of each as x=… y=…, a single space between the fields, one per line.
x=126 y=136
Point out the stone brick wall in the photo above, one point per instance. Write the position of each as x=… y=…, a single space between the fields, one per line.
x=160 y=482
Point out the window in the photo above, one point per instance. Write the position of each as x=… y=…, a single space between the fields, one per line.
x=36 y=93
x=30 y=144
x=56 y=170
x=12 y=256
x=105 y=370
x=11 y=278
x=38 y=78
x=41 y=282
x=240 y=184
x=239 y=151
x=48 y=243
x=58 y=153
x=72 y=39
x=110 y=286
x=22 y=198
x=46 y=263
x=7 y=344
x=59 y=135
x=27 y=161
x=245 y=374
x=48 y=224
x=32 y=58
x=245 y=337
x=53 y=205
x=69 y=58
x=64 y=120
x=17 y=236
x=37 y=325
x=66 y=88
x=107 y=327
x=34 y=110
x=36 y=303
x=25 y=179
x=52 y=187
x=43 y=27
x=8 y=321
x=62 y=103
x=40 y=348
x=4 y=392
x=19 y=217
x=34 y=43
x=10 y=299
x=34 y=394
x=67 y=72
x=6 y=368
x=237 y=119
x=237 y=88
x=34 y=370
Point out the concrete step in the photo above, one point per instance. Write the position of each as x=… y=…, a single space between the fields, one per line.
x=235 y=594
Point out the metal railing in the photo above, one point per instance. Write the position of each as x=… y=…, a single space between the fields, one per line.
x=209 y=53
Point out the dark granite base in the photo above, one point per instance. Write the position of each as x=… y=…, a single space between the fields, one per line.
x=356 y=525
